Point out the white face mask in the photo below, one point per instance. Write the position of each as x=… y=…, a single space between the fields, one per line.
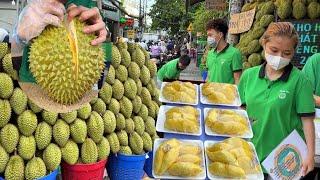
x=276 y=62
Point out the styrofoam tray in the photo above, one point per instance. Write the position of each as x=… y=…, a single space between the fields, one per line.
x=202 y=175
x=162 y=118
x=204 y=99
x=164 y=100
x=247 y=135
x=257 y=176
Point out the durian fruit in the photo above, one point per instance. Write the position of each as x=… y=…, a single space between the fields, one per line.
x=314 y=10
x=4 y=158
x=109 y=120
x=99 y=106
x=35 y=108
x=116 y=56
x=130 y=89
x=114 y=106
x=35 y=169
x=9 y=137
x=123 y=138
x=105 y=93
x=136 y=143
x=129 y=126
x=70 y=152
x=150 y=126
x=61 y=132
x=299 y=10
x=125 y=150
x=126 y=58
x=85 y=111
x=246 y=65
x=18 y=101
x=121 y=44
x=138 y=57
x=95 y=127
x=49 y=117
x=134 y=71
x=126 y=107
x=89 y=151
x=117 y=90
x=6 y=88
x=78 y=131
x=255 y=59
x=131 y=47
x=144 y=75
x=43 y=135
x=3 y=49
x=52 y=157
x=103 y=149
x=27 y=147
x=137 y=104
x=139 y=86
x=114 y=142
x=122 y=73
x=111 y=75
x=5 y=112
x=15 y=168
x=284 y=10
x=69 y=117
x=8 y=66
x=139 y=126
x=27 y=123
x=147 y=141
x=121 y=122
x=266 y=20
x=69 y=70
x=152 y=68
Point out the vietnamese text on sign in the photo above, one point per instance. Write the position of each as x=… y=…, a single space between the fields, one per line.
x=219 y=5
x=241 y=22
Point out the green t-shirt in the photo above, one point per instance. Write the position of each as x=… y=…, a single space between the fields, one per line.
x=222 y=65
x=24 y=73
x=169 y=71
x=275 y=107
x=312 y=70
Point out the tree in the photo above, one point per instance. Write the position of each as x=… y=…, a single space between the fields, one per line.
x=168 y=15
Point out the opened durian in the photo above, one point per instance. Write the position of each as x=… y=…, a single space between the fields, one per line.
x=64 y=63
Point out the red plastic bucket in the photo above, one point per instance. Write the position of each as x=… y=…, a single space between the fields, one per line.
x=83 y=171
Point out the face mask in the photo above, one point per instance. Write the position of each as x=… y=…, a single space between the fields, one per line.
x=212 y=42
x=276 y=62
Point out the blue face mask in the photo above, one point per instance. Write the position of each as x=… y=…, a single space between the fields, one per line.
x=212 y=42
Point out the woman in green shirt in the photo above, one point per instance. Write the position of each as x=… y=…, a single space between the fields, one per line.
x=278 y=96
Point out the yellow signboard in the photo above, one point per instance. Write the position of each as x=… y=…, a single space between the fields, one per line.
x=130 y=34
x=190 y=28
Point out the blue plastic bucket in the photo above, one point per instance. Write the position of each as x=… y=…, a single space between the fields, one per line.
x=204 y=75
x=122 y=167
x=52 y=176
x=148 y=165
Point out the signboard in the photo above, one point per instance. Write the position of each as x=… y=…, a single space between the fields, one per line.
x=189 y=29
x=309 y=37
x=241 y=22
x=285 y=161
x=130 y=34
x=219 y=5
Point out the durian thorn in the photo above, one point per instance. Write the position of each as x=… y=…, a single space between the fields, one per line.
x=72 y=36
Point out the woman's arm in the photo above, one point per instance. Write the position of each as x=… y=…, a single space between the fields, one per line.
x=309 y=132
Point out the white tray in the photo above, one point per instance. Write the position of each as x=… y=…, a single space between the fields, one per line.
x=164 y=100
x=162 y=118
x=258 y=176
x=159 y=141
x=209 y=132
x=236 y=102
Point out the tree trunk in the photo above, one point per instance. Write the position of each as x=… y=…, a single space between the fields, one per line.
x=234 y=7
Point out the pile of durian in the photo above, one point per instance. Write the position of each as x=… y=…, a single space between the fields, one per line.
x=178 y=91
x=182 y=119
x=232 y=158
x=219 y=93
x=33 y=141
x=223 y=121
x=177 y=158
x=249 y=46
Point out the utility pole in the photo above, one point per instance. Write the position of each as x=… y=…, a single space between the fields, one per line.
x=140 y=20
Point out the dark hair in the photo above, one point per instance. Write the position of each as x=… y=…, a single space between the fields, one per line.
x=184 y=60
x=136 y=40
x=218 y=25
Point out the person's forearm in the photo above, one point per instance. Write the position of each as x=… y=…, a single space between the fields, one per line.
x=317 y=100
x=309 y=132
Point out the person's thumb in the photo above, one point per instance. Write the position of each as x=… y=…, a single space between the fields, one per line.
x=52 y=20
x=304 y=169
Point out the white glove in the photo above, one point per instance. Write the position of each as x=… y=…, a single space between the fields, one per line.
x=36 y=16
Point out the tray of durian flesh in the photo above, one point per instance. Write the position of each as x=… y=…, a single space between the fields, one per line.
x=227 y=123
x=220 y=94
x=178 y=92
x=178 y=159
x=233 y=158
x=179 y=120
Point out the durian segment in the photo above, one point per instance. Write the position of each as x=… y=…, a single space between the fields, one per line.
x=180 y=92
x=73 y=40
x=219 y=93
x=52 y=63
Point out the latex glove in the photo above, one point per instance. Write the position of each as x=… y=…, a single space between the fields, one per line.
x=36 y=16
x=93 y=18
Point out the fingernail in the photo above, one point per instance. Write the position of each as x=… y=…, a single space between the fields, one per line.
x=86 y=30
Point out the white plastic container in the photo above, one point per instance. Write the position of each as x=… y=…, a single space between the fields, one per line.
x=202 y=175
x=236 y=102
x=209 y=132
x=164 y=100
x=162 y=118
x=258 y=176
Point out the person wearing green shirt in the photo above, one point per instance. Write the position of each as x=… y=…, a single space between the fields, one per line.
x=224 y=62
x=171 y=71
x=312 y=70
x=278 y=96
x=38 y=14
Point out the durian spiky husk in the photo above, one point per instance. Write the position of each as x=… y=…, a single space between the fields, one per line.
x=54 y=68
